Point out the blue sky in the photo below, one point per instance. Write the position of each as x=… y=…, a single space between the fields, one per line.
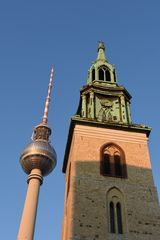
x=35 y=34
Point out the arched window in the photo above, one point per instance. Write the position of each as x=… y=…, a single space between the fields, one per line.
x=119 y=218
x=107 y=75
x=113 y=161
x=116 y=211
x=118 y=165
x=114 y=74
x=106 y=164
x=93 y=74
x=104 y=74
x=101 y=74
x=112 y=218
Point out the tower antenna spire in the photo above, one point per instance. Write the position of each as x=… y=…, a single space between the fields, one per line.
x=38 y=159
x=45 y=115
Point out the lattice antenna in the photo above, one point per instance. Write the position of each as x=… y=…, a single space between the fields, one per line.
x=45 y=115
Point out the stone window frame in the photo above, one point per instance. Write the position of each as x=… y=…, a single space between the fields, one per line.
x=112 y=150
x=106 y=74
x=115 y=197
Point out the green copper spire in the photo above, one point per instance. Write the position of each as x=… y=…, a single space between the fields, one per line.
x=102 y=99
x=101 y=71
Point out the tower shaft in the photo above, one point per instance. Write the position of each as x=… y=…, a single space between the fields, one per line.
x=38 y=159
x=27 y=226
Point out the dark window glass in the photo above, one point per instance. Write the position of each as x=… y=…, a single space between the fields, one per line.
x=112 y=218
x=101 y=74
x=107 y=76
x=119 y=218
x=93 y=74
x=106 y=164
x=118 y=168
x=114 y=76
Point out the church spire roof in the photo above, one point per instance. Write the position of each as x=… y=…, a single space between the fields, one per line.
x=101 y=51
x=101 y=71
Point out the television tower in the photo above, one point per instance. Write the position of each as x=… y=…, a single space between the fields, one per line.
x=38 y=159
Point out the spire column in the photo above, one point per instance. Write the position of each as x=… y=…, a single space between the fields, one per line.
x=129 y=113
x=92 y=104
x=84 y=110
x=123 y=109
x=27 y=226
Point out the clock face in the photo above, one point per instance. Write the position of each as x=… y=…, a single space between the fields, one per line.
x=107 y=109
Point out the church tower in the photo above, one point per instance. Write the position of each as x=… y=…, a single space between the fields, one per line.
x=110 y=193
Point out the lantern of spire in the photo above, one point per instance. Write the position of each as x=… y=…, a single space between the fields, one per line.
x=101 y=71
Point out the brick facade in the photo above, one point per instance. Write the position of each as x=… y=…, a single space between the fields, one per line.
x=86 y=214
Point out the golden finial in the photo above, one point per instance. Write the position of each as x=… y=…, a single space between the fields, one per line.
x=45 y=115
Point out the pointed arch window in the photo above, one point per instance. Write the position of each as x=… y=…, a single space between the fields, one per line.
x=107 y=75
x=114 y=74
x=113 y=162
x=93 y=74
x=118 y=165
x=119 y=218
x=116 y=212
x=104 y=74
x=106 y=164
x=112 y=218
x=101 y=74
